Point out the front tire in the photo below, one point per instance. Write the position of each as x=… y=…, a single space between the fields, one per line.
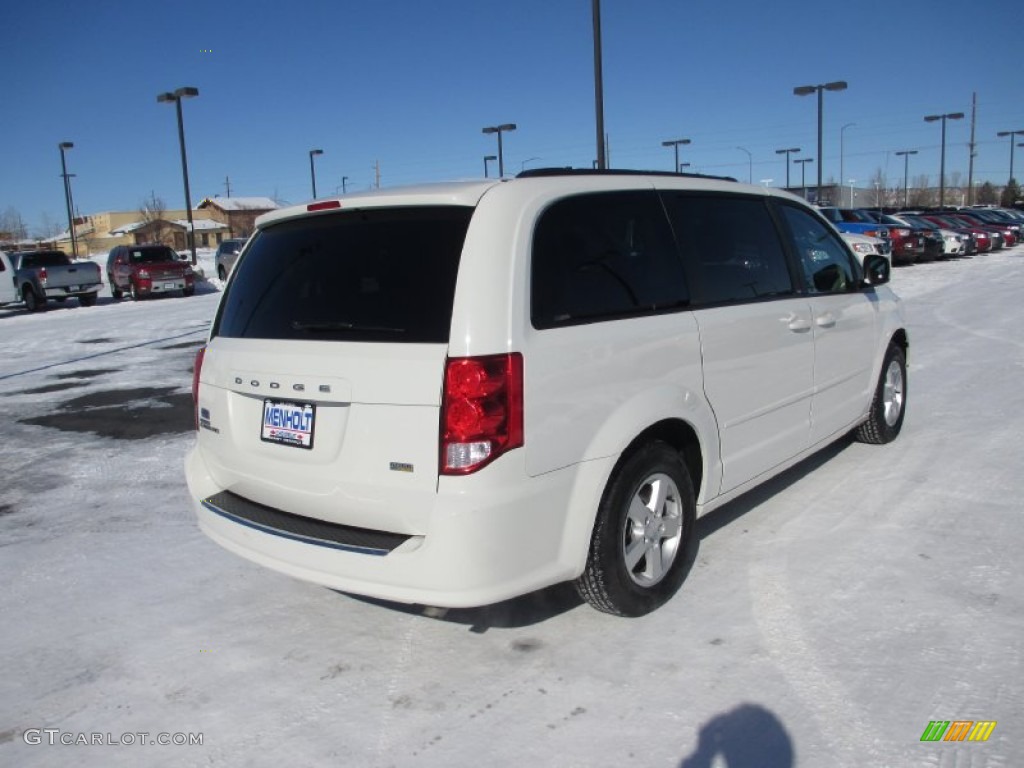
x=641 y=546
x=889 y=405
x=133 y=291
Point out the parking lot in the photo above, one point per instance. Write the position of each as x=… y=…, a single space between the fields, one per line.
x=830 y=616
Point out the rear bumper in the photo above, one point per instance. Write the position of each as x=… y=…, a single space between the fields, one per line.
x=56 y=293
x=487 y=540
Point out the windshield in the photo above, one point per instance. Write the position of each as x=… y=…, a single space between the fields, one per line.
x=150 y=255
x=383 y=274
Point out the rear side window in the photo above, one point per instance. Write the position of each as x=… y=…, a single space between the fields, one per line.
x=730 y=246
x=383 y=274
x=601 y=256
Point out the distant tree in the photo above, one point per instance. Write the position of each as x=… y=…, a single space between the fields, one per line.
x=987 y=194
x=12 y=225
x=49 y=228
x=921 y=195
x=152 y=211
x=955 y=186
x=1011 y=194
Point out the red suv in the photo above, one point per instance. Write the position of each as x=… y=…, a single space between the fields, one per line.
x=145 y=270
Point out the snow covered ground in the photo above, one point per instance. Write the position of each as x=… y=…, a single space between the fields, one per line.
x=830 y=615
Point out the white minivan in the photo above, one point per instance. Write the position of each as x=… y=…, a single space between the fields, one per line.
x=459 y=393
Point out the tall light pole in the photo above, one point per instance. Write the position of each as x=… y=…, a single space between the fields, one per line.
x=487 y=159
x=312 y=170
x=787 y=153
x=67 y=195
x=176 y=97
x=803 y=161
x=674 y=143
x=595 y=12
x=906 y=153
x=499 y=129
x=750 y=164
x=1011 y=134
x=942 y=159
x=806 y=90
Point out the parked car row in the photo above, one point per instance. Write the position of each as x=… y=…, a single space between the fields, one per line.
x=37 y=277
x=926 y=235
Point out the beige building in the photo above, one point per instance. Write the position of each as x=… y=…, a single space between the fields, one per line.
x=214 y=220
x=238 y=213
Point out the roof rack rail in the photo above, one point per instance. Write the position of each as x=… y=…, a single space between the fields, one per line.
x=534 y=173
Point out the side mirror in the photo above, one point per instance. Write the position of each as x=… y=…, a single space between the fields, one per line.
x=877 y=269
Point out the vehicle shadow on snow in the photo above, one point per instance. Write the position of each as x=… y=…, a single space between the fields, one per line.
x=538 y=607
x=728 y=513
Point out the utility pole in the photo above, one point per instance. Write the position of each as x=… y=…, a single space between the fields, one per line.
x=970 y=148
x=602 y=159
x=377 y=170
x=227 y=185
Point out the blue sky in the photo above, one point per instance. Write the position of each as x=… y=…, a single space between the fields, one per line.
x=411 y=85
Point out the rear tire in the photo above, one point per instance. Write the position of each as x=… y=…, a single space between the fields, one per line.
x=133 y=291
x=32 y=300
x=889 y=405
x=116 y=292
x=642 y=544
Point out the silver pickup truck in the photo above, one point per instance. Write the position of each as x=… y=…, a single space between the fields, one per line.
x=37 y=276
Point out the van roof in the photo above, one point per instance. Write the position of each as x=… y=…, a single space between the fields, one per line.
x=469 y=193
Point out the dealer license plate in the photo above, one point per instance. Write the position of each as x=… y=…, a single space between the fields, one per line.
x=170 y=286
x=288 y=423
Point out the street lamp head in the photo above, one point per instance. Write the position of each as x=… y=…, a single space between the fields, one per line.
x=675 y=142
x=804 y=90
x=507 y=127
x=491 y=157
x=955 y=116
x=315 y=152
x=836 y=85
x=66 y=145
x=785 y=151
x=180 y=93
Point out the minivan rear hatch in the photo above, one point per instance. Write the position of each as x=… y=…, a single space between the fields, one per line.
x=320 y=388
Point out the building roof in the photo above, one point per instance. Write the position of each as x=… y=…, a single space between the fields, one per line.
x=197 y=224
x=240 y=203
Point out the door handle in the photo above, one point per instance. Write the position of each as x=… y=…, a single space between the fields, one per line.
x=827 y=320
x=795 y=322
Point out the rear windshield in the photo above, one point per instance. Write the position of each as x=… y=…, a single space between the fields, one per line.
x=44 y=259
x=383 y=274
x=150 y=255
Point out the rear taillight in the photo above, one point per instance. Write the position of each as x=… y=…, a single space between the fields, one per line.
x=42 y=275
x=481 y=411
x=196 y=370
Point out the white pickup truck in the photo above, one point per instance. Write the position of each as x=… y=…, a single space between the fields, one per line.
x=34 y=277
